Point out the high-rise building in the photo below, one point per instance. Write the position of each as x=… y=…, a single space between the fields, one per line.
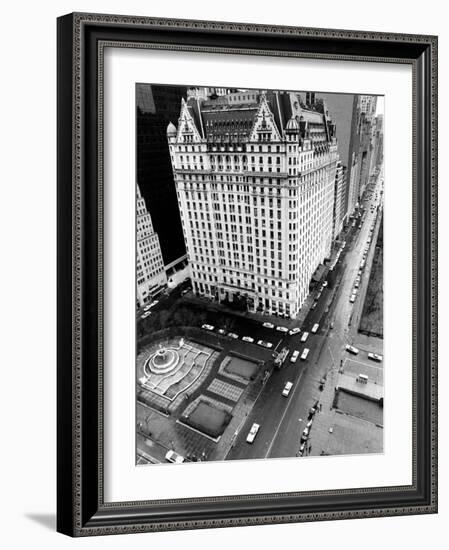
x=343 y=111
x=255 y=179
x=156 y=106
x=339 y=199
x=378 y=150
x=361 y=149
x=151 y=277
x=368 y=105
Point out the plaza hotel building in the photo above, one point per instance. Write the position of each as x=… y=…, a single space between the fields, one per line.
x=255 y=178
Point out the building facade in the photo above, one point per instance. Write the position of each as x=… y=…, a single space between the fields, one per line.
x=361 y=149
x=255 y=179
x=343 y=112
x=339 y=200
x=151 y=277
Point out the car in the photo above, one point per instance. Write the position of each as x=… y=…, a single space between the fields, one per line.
x=304 y=336
x=305 y=353
x=302 y=449
x=325 y=283
x=375 y=357
x=315 y=328
x=248 y=339
x=264 y=344
x=288 y=386
x=221 y=331
x=146 y=314
x=268 y=325
x=147 y=308
x=207 y=327
x=356 y=284
x=174 y=457
x=318 y=296
x=282 y=329
x=185 y=291
x=352 y=298
x=313 y=409
x=294 y=331
x=294 y=356
x=252 y=433
x=305 y=434
x=153 y=303
x=233 y=335
x=352 y=349
x=313 y=306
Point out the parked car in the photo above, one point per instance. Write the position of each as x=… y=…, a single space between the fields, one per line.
x=233 y=335
x=305 y=434
x=375 y=357
x=294 y=331
x=304 y=336
x=252 y=433
x=288 y=386
x=264 y=344
x=185 y=291
x=315 y=328
x=282 y=329
x=325 y=282
x=248 y=339
x=147 y=308
x=313 y=306
x=352 y=298
x=221 y=331
x=268 y=325
x=313 y=410
x=294 y=356
x=146 y=314
x=352 y=349
x=207 y=327
x=305 y=353
x=174 y=457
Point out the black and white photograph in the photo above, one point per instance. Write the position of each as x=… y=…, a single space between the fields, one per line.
x=259 y=276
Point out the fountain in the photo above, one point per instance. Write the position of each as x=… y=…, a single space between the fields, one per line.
x=163 y=360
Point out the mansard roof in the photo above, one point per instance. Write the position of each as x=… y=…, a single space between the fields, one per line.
x=220 y=120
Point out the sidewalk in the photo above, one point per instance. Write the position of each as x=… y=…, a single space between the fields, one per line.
x=257 y=317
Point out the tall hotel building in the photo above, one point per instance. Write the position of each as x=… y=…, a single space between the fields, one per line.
x=151 y=277
x=255 y=175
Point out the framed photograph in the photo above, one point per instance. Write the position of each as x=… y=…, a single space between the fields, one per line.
x=247 y=274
